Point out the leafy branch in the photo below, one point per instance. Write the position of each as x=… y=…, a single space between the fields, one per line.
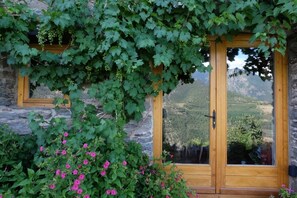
x=113 y=37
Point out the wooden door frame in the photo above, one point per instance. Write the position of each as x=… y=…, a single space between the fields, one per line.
x=219 y=171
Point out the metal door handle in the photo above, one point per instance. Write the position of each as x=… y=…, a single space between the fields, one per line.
x=213 y=118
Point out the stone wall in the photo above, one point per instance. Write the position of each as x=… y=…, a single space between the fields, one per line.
x=292 y=90
x=8 y=84
x=142 y=131
x=17 y=118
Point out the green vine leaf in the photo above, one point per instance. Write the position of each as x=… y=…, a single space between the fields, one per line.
x=112 y=44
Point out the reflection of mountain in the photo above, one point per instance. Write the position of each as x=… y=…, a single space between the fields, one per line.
x=203 y=77
x=185 y=107
x=251 y=86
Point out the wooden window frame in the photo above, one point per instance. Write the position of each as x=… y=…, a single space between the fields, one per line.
x=23 y=84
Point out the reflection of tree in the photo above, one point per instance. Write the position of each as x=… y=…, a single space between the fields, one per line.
x=245 y=138
x=246 y=130
x=256 y=63
x=231 y=53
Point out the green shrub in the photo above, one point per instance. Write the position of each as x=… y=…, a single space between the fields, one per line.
x=89 y=157
x=16 y=159
x=16 y=148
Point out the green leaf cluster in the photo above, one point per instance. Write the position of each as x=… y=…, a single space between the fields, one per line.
x=116 y=44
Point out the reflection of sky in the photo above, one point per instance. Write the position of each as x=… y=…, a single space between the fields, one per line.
x=206 y=64
x=239 y=61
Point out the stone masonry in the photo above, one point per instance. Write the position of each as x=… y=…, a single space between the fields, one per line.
x=8 y=84
x=292 y=90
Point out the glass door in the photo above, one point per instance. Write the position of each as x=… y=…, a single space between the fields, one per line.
x=250 y=116
x=227 y=131
x=188 y=127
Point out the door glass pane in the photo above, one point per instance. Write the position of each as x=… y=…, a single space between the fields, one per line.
x=185 y=126
x=250 y=99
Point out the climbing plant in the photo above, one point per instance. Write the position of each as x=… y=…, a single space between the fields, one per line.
x=115 y=44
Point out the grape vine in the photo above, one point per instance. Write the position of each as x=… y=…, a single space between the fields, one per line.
x=113 y=44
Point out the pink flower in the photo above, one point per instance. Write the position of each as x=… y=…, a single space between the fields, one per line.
x=74 y=187
x=79 y=191
x=75 y=172
x=113 y=192
x=52 y=186
x=41 y=148
x=85 y=145
x=76 y=182
x=57 y=152
x=66 y=134
x=64 y=141
x=1 y=196
x=106 y=164
x=58 y=172
x=67 y=166
x=162 y=184
x=124 y=163
x=64 y=152
x=86 y=196
x=93 y=154
x=103 y=173
x=63 y=175
x=85 y=162
x=167 y=196
x=81 y=177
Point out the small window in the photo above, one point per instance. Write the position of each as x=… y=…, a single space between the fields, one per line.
x=33 y=94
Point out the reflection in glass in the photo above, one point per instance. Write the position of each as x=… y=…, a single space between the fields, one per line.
x=185 y=128
x=41 y=91
x=251 y=133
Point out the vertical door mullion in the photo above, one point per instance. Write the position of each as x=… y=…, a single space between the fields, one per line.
x=212 y=106
x=221 y=103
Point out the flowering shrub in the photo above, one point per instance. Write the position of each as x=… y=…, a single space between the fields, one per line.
x=154 y=180
x=285 y=192
x=89 y=157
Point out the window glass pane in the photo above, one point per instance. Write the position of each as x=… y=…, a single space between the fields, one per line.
x=251 y=128
x=185 y=126
x=37 y=90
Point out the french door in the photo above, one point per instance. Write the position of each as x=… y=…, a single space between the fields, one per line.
x=227 y=131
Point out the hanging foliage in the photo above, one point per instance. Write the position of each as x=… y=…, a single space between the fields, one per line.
x=114 y=44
